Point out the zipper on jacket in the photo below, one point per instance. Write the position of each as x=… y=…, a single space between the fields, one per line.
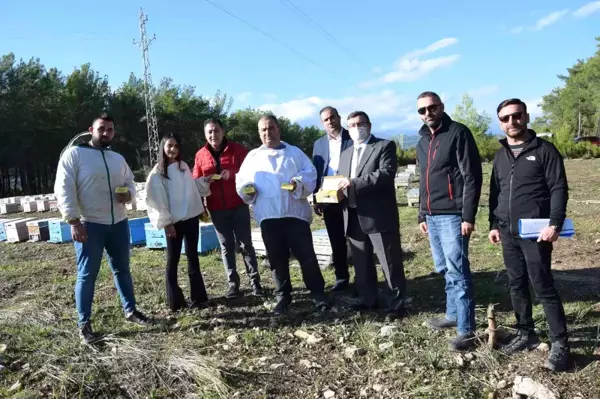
x=112 y=213
x=429 y=159
x=450 y=188
x=435 y=150
x=510 y=187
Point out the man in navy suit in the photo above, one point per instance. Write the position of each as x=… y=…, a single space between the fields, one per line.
x=326 y=158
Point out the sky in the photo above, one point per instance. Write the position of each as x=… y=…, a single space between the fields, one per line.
x=294 y=57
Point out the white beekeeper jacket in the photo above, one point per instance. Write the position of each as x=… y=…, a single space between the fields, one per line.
x=86 y=179
x=174 y=199
x=268 y=169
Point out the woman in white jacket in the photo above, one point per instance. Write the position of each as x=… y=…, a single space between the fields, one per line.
x=174 y=200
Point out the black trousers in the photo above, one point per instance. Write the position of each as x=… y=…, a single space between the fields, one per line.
x=388 y=249
x=333 y=215
x=525 y=261
x=190 y=230
x=290 y=234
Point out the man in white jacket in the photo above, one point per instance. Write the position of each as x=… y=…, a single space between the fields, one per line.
x=276 y=179
x=92 y=186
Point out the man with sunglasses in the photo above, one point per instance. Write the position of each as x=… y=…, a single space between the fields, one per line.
x=529 y=181
x=449 y=191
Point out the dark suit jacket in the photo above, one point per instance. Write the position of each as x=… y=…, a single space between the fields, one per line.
x=320 y=155
x=374 y=185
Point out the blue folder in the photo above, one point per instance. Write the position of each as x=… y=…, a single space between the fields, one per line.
x=531 y=228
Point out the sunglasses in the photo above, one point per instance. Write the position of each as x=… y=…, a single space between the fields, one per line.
x=431 y=108
x=506 y=118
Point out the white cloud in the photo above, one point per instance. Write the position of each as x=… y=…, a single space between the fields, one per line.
x=270 y=97
x=411 y=67
x=244 y=97
x=483 y=91
x=383 y=108
x=542 y=23
x=534 y=108
x=517 y=29
x=587 y=9
x=550 y=19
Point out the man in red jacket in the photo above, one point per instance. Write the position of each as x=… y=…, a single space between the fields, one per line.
x=221 y=159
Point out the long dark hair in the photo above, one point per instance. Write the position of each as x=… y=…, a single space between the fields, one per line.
x=163 y=159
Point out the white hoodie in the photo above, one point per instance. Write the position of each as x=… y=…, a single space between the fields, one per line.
x=174 y=199
x=86 y=179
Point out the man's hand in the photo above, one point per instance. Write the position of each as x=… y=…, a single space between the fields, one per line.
x=225 y=174
x=294 y=183
x=249 y=190
x=423 y=227
x=79 y=233
x=318 y=209
x=494 y=236
x=467 y=228
x=123 y=198
x=548 y=234
x=170 y=231
x=344 y=183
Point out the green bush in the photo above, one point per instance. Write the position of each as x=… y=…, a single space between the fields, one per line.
x=406 y=156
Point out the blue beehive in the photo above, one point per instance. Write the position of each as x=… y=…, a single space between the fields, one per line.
x=137 y=234
x=207 y=241
x=2 y=229
x=59 y=231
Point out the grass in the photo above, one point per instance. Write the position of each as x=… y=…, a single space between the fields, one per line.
x=235 y=349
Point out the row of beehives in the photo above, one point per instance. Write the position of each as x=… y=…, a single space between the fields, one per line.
x=38 y=203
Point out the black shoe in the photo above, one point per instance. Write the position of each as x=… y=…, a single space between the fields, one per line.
x=86 y=334
x=199 y=305
x=232 y=292
x=138 y=317
x=520 y=342
x=282 y=307
x=462 y=342
x=558 y=359
x=257 y=290
x=361 y=307
x=440 y=324
x=340 y=286
x=322 y=302
x=393 y=315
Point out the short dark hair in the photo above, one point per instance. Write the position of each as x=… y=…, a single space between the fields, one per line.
x=354 y=114
x=426 y=94
x=511 y=101
x=270 y=117
x=216 y=121
x=329 y=108
x=105 y=117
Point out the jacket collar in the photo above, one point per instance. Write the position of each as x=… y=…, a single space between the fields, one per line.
x=532 y=142
x=446 y=121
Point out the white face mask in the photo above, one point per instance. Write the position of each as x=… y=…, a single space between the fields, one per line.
x=358 y=134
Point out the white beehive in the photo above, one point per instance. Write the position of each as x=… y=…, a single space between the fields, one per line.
x=29 y=206
x=16 y=231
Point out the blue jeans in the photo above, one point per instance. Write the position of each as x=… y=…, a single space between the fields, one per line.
x=115 y=239
x=450 y=250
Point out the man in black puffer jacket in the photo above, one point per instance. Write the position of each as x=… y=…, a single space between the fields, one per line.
x=450 y=186
x=529 y=182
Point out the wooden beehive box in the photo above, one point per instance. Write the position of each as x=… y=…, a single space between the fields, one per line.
x=16 y=231
x=29 y=206
x=9 y=208
x=43 y=205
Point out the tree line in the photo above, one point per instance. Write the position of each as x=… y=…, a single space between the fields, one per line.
x=41 y=110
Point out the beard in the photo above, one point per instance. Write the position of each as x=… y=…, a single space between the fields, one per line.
x=433 y=123
x=101 y=143
x=517 y=132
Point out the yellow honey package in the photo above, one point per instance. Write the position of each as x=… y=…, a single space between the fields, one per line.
x=248 y=190
x=121 y=190
x=215 y=177
x=287 y=186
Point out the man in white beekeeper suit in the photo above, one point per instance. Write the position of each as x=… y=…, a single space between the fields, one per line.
x=276 y=179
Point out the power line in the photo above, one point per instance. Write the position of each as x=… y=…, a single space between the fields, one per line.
x=324 y=32
x=272 y=38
